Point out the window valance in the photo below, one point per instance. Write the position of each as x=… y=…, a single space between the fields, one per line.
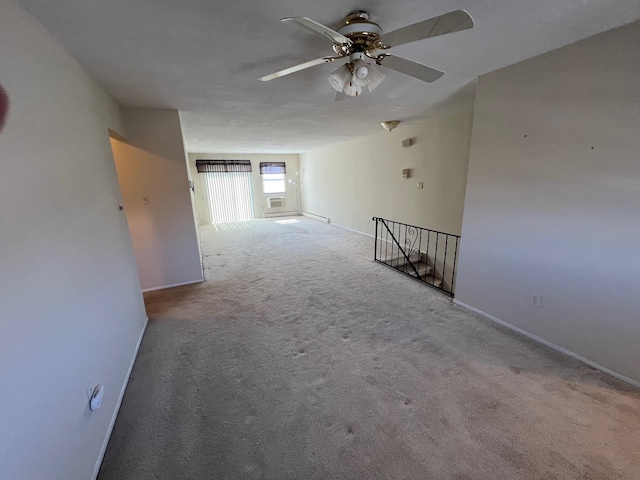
x=273 y=167
x=217 y=166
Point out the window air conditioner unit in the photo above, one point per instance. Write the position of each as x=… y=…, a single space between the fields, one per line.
x=276 y=202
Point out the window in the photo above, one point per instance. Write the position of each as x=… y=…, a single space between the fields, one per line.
x=273 y=181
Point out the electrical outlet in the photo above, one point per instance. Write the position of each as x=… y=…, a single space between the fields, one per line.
x=420 y=185
x=535 y=300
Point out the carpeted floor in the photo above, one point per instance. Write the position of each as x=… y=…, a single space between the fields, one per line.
x=300 y=358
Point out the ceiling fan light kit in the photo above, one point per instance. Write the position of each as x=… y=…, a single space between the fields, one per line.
x=352 y=77
x=362 y=41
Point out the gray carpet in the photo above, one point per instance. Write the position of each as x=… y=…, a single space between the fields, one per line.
x=300 y=358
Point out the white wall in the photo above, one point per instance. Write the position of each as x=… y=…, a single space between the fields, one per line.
x=71 y=311
x=556 y=212
x=260 y=205
x=153 y=163
x=352 y=182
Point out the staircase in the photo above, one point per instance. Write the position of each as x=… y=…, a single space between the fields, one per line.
x=417 y=262
x=427 y=255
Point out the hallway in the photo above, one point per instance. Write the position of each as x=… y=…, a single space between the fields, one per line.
x=300 y=358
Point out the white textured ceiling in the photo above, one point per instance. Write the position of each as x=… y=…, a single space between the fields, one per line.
x=204 y=57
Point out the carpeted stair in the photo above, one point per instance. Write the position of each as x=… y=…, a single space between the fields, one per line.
x=422 y=264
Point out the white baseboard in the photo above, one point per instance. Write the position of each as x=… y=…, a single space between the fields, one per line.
x=280 y=214
x=549 y=344
x=320 y=218
x=98 y=464
x=171 y=286
x=381 y=239
x=353 y=230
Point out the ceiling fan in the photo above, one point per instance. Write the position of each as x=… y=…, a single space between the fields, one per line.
x=362 y=42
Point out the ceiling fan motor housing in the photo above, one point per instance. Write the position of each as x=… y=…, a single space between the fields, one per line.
x=361 y=31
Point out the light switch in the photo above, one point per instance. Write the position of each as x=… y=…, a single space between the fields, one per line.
x=420 y=185
x=145 y=199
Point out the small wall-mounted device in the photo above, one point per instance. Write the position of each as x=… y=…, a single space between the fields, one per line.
x=406 y=172
x=95 y=399
x=534 y=300
x=408 y=142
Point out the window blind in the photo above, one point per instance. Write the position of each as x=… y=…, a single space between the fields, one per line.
x=223 y=166
x=273 y=167
x=229 y=196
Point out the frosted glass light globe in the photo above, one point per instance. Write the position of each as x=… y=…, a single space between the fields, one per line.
x=362 y=72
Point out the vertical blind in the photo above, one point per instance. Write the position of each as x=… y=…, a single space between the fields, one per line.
x=228 y=186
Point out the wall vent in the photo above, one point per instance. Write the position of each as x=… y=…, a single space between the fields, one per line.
x=276 y=202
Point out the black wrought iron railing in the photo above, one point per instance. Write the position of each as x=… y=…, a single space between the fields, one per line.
x=427 y=255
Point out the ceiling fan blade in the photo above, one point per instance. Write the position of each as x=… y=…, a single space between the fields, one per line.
x=297 y=68
x=318 y=29
x=413 y=69
x=433 y=27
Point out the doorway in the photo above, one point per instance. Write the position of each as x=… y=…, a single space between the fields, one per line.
x=227 y=184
